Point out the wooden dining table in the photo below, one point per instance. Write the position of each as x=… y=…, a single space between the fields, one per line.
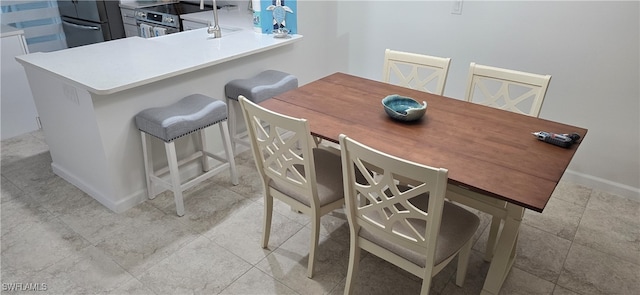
x=495 y=163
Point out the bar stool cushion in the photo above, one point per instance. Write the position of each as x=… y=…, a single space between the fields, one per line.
x=263 y=86
x=190 y=114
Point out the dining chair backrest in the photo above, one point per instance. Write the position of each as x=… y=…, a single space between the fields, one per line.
x=293 y=169
x=279 y=144
x=416 y=71
x=506 y=89
x=399 y=223
x=377 y=204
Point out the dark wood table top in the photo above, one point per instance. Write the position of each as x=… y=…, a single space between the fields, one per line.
x=487 y=150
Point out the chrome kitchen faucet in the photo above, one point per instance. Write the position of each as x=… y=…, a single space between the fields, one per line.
x=215 y=31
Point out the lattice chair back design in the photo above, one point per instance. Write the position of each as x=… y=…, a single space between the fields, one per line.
x=416 y=71
x=411 y=226
x=293 y=169
x=510 y=90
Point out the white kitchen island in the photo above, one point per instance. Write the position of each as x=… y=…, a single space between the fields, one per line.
x=88 y=96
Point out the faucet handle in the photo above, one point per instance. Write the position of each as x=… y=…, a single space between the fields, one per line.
x=214 y=31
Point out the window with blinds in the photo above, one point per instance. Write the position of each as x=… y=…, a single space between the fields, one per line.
x=40 y=21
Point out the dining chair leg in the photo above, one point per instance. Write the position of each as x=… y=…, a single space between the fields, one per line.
x=268 y=212
x=315 y=237
x=426 y=282
x=493 y=237
x=463 y=263
x=354 y=263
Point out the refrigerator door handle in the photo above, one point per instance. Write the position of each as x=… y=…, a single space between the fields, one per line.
x=81 y=26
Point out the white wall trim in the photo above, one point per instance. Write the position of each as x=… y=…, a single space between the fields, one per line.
x=187 y=171
x=117 y=207
x=602 y=184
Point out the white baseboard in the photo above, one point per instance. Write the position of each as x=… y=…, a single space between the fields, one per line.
x=118 y=207
x=602 y=184
x=187 y=171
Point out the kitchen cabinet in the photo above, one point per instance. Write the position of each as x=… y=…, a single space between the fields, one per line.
x=19 y=113
x=129 y=21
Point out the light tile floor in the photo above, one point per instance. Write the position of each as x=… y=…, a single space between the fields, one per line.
x=585 y=242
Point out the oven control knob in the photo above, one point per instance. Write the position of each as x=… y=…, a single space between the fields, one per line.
x=169 y=20
x=142 y=14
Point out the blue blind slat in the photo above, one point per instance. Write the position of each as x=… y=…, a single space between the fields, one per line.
x=40 y=21
x=29 y=15
x=45 y=46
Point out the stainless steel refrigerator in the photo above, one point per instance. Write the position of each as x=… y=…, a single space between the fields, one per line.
x=90 y=21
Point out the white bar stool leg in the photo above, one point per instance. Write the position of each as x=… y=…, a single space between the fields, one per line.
x=231 y=116
x=148 y=164
x=175 y=176
x=226 y=141
x=203 y=147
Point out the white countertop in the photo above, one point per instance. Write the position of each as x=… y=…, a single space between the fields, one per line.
x=113 y=66
x=7 y=31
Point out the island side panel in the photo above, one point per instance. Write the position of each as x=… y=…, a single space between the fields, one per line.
x=69 y=124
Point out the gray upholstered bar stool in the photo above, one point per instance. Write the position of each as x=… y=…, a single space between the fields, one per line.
x=260 y=87
x=191 y=114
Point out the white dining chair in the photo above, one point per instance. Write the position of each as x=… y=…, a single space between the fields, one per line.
x=293 y=169
x=411 y=226
x=415 y=71
x=510 y=90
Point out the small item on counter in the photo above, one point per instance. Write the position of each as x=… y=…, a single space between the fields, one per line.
x=272 y=16
x=279 y=14
x=255 y=7
x=562 y=140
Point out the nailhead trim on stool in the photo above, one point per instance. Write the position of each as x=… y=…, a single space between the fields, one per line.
x=191 y=114
x=258 y=88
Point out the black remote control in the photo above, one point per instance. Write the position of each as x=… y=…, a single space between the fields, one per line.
x=562 y=140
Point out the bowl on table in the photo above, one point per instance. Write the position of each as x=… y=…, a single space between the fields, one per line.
x=403 y=108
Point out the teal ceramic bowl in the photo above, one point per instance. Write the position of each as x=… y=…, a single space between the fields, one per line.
x=403 y=108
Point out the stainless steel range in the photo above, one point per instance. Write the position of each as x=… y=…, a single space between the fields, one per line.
x=164 y=18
